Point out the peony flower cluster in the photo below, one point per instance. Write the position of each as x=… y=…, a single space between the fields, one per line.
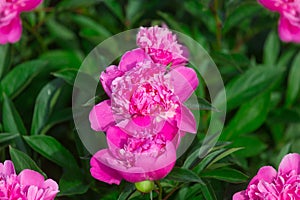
x=144 y=117
x=269 y=184
x=289 y=22
x=10 y=21
x=28 y=185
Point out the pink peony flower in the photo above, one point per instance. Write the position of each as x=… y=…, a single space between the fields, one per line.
x=28 y=185
x=162 y=46
x=10 y=22
x=143 y=119
x=271 y=185
x=289 y=22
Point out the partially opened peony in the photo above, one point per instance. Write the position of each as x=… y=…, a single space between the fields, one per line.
x=289 y=22
x=143 y=119
x=269 y=184
x=10 y=21
x=28 y=185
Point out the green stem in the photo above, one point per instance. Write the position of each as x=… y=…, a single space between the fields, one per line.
x=218 y=24
x=160 y=190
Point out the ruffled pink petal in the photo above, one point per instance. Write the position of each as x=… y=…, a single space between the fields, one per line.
x=151 y=168
x=30 y=177
x=7 y=168
x=130 y=58
x=116 y=137
x=273 y=5
x=287 y=31
x=49 y=183
x=51 y=189
x=108 y=76
x=266 y=173
x=240 y=196
x=101 y=116
x=290 y=162
x=101 y=171
x=28 y=5
x=186 y=121
x=185 y=81
x=12 y=32
x=169 y=131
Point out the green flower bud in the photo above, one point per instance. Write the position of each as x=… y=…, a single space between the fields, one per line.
x=144 y=186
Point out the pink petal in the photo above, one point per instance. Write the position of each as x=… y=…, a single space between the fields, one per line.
x=169 y=131
x=101 y=171
x=116 y=137
x=108 y=76
x=130 y=58
x=7 y=168
x=12 y=32
x=151 y=168
x=273 y=5
x=101 y=116
x=185 y=81
x=290 y=162
x=30 y=177
x=287 y=31
x=240 y=196
x=186 y=121
x=28 y=5
x=266 y=173
x=49 y=183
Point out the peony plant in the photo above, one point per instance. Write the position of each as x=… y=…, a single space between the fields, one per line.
x=28 y=185
x=145 y=117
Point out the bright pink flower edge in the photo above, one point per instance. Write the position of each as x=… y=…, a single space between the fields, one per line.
x=10 y=21
x=289 y=22
x=28 y=184
x=269 y=184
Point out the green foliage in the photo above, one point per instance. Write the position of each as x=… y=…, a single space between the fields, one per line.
x=261 y=76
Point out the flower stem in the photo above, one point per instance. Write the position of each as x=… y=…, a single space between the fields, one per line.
x=160 y=190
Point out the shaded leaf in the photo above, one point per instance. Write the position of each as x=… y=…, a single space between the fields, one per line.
x=293 y=87
x=271 y=49
x=20 y=76
x=51 y=149
x=183 y=175
x=22 y=161
x=44 y=105
x=226 y=174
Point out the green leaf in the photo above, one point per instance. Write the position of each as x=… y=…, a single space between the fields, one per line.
x=51 y=149
x=207 y=193
x=57 y=117
x=293 y=87
x=4 y=56
x=253 y=113
x=44 y=105
x=6 y=138
x=134 y=10
x=171 y=21
x=284 y=151
x=249 y=85
x=183 y=175
x=60 y=31
x=115 y=7
x=223 y=155
x=207 y=159
x=252 y=146
x=243 y=12
x=226 y=174
x=90 y=24
x=23 y=161
x=59 y=59
x=68 y=4
x=72 y=184
x=12 y=121
x=67 y=74
x=271 y=49
x=20 y=76
x=128 y=190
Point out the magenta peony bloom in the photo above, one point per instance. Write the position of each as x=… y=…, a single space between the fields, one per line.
x=28 y=185
x=289 y=22
x=10 y=22
x=271 y=185
x=143 y=119
x=162 y=46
